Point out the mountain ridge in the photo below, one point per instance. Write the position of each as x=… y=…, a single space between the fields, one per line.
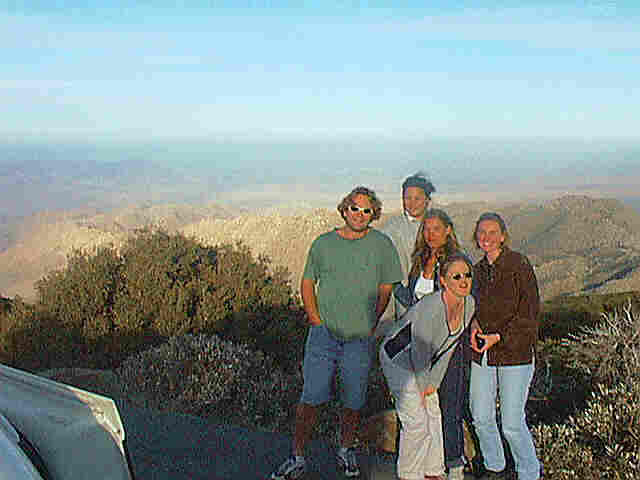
x=577 y=244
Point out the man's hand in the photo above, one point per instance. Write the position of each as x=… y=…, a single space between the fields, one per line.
x=383 y=297
x=314 y=320
x=308 y=291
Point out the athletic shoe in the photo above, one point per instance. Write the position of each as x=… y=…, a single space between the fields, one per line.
x=293 y=468
x=347 y=460
x=491 y=475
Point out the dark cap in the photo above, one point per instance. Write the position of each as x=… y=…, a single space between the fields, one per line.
x=420 y=181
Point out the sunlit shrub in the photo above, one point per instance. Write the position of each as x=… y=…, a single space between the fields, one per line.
x=81 y=297
x=601 y=441
x=610 y=351
x=111 y=303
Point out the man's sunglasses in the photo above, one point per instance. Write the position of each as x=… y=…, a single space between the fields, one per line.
x=458 y=276
x=356 y=209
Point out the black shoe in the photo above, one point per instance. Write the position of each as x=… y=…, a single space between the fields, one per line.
x=491 y=475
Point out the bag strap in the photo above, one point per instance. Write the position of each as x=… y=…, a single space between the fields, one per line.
x=440 y=353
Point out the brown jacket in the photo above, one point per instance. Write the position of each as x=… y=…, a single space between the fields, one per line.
x=507 y=302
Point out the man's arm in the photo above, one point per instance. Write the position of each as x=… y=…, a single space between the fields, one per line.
x=308 y=291
x=382 y=300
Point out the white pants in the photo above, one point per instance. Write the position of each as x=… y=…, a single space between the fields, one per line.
x=421 y=449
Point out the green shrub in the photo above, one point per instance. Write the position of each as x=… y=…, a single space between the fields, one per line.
x=81 y=297
x=164 y=281
x=109 y=304
x=173 y=285
x=30 y=339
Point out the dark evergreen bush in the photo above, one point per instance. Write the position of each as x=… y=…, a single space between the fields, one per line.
x=81 y=297
x=108 y=304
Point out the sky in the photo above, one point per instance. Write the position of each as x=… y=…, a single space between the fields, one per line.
x=318 y=70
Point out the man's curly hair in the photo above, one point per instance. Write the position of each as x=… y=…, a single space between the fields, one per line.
x=347 y=201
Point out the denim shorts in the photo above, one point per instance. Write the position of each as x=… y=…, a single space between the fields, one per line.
x=325 y=355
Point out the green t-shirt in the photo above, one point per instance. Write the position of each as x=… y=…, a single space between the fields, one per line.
x=347 y=274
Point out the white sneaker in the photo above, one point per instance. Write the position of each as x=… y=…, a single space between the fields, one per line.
x=293 y=468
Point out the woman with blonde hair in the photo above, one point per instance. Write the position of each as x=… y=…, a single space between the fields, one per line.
x=436 y=242
x=415 y=357
x=503 y=337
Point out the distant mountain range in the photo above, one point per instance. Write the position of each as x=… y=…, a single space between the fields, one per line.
x=578 y=244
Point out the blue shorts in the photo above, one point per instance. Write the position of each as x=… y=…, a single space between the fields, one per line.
x=324 y=355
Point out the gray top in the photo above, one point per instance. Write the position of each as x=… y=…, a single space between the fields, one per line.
x=430 y=335
x=402 y=231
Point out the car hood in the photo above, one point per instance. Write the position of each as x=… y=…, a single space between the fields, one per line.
x=14 y=464
x=78 y=434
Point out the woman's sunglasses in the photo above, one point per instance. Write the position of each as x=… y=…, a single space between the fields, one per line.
x=458 y=276
x=356 y=209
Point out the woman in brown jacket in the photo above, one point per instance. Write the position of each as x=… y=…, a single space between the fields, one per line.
x=503 y=335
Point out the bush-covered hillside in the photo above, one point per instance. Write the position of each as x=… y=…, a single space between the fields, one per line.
x=217 y=332
x=577 y=244
x=113 y=302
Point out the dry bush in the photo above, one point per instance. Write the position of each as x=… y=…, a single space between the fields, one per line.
x=231 y=383
x=610 y=350
x=602 y=441
x=207 y=376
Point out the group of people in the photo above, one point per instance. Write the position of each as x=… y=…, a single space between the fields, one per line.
x=456 y=336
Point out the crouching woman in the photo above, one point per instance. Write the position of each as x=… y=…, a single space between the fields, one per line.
x=414 y=358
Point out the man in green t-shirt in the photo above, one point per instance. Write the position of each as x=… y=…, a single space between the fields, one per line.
x=345 y=288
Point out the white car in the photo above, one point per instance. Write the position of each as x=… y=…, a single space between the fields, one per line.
x=52 y=431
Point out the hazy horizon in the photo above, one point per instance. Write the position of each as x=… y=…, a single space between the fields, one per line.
x=112 y=103
x=39 y=176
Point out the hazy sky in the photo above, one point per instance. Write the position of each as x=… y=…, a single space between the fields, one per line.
x=281 y=69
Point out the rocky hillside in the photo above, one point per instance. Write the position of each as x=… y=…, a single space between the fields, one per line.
x=44 y=241
x=577 y=244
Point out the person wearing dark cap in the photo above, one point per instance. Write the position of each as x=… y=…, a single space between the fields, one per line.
x=435 y=243
x=403 y=229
